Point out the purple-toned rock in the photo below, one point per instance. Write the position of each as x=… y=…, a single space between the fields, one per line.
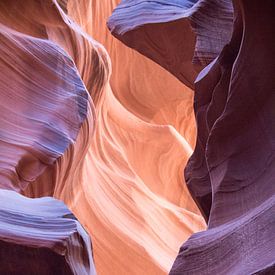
x=232 y=171
x=41 y=236
x=43 y=105
x=181 y=36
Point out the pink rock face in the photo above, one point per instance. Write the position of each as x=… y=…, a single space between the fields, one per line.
x=132 y=207
x=44 y=105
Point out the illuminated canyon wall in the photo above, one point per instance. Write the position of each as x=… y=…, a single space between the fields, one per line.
x=104 y=105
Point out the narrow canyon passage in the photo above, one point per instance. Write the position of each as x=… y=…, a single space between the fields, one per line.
x=137 y=137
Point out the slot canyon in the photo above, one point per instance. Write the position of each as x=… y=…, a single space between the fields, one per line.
x=137 y=137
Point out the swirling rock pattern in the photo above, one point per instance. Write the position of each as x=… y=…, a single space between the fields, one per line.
x=113 y=146
x=231 y=172
x=127 y=198
x=115 y=173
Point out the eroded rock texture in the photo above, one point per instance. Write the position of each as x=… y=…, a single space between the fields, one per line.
x=45 y=108
x=35 y=129
x=41 y=236
x=182 y=36
x=112 y=147
x=236 y=96
x=109 y=132
x=231 y=172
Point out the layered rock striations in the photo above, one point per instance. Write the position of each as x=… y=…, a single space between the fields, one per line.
x=46 y=125
x=129 y=196
x=41 y=236
x=231 y=172
x=109 y=132
x=237 y=92
x=111 y=147
x=35 y=129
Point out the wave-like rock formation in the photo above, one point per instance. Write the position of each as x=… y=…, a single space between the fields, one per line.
x=112 y=147
x=231 y=172
x=41 y=236
x=131 y=205
x=108 y=130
